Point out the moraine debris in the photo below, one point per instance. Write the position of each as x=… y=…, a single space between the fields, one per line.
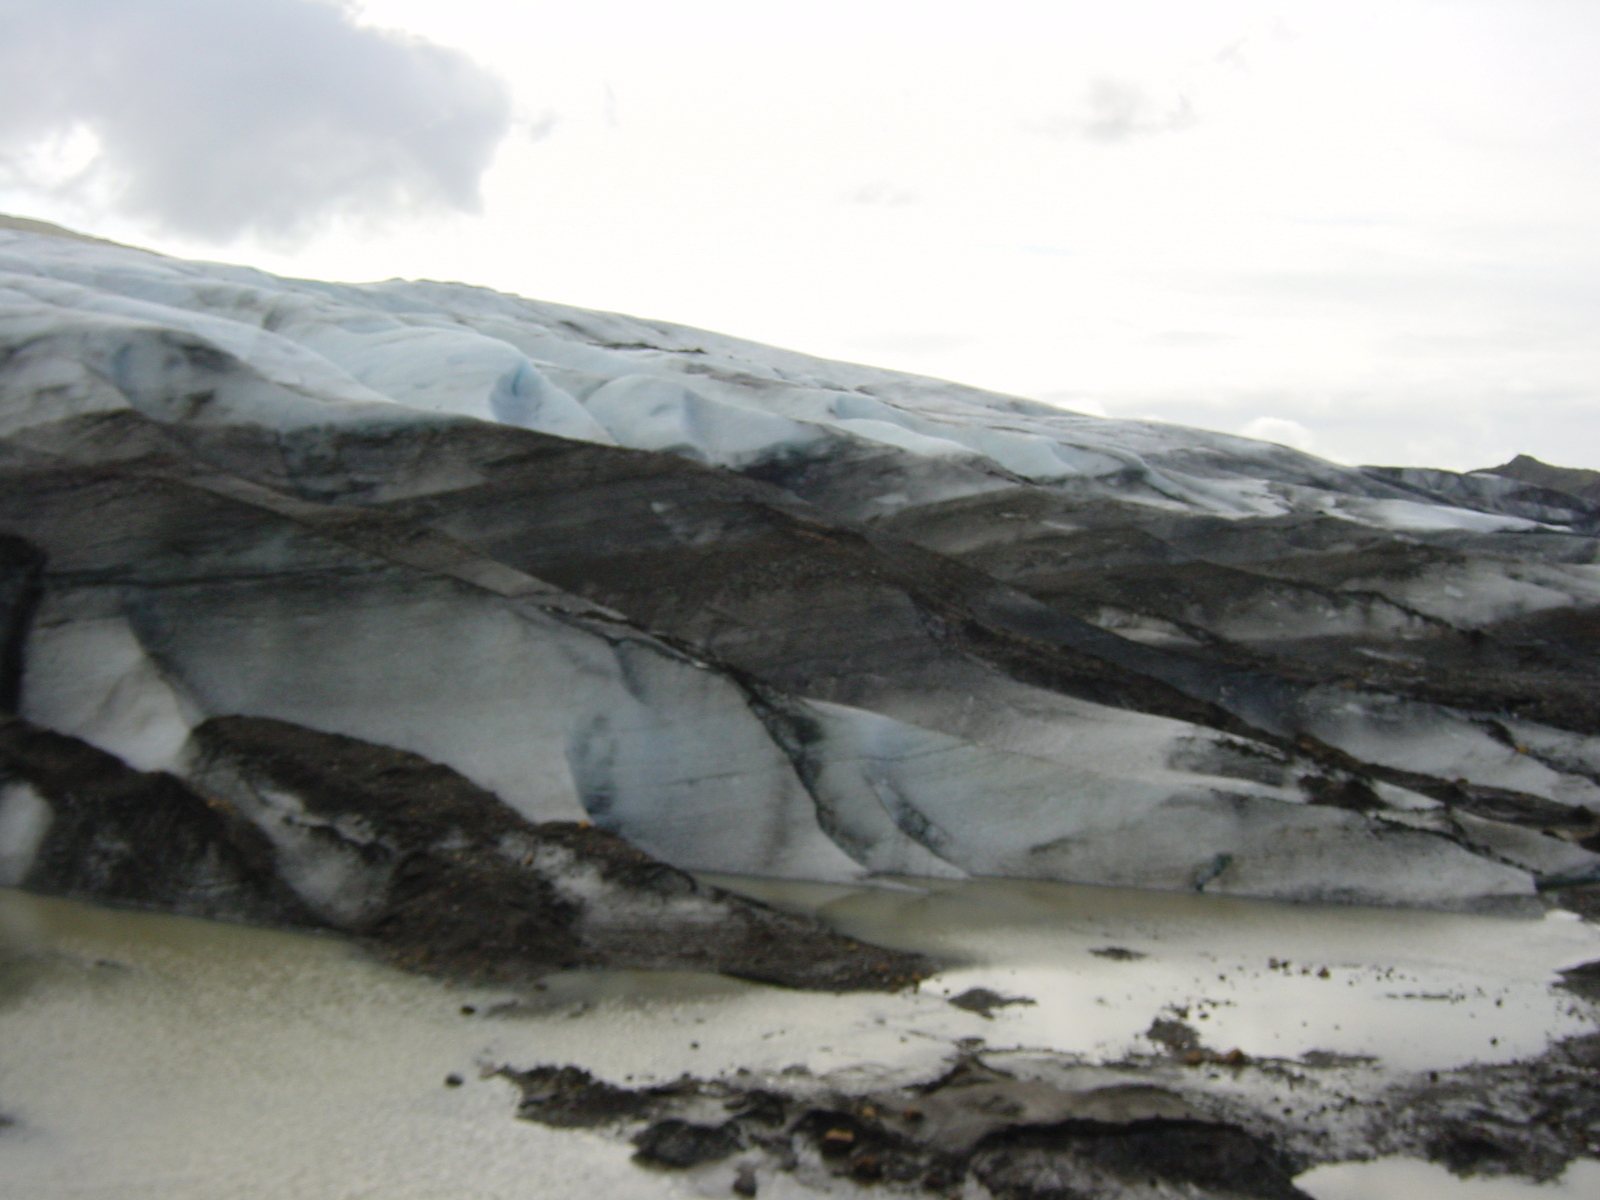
x=1066 y=1129
x=1019 y=1138
x=983 y=1001
x=1118 y=953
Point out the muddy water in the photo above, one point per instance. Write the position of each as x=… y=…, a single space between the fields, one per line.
x=1418 y=990
x=149 y=1056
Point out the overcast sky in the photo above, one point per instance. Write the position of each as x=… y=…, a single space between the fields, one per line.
x=1371 y=229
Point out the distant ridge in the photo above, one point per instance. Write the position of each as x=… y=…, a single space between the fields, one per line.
x=1575 y=481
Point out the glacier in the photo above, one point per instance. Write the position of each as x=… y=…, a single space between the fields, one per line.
x=755 y=612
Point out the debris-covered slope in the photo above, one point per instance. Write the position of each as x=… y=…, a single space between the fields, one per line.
x=757 y=612
x=281 y=825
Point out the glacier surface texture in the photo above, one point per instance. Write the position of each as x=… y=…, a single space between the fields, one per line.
x=746 y=610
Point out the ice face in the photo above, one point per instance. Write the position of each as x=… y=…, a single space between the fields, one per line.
x=764 y=613
x=92 y=676
x=24 y=821
x=449 y=348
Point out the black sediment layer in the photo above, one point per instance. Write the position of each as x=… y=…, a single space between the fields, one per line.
x=459 y=884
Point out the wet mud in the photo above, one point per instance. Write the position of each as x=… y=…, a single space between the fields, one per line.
x=1021 y=1139
x=1144 y=1130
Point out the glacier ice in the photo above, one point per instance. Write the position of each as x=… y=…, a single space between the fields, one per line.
x=758 y=612
x=24 y=822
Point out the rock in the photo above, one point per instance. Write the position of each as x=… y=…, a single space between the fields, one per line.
x=1142 y=1127
x=1178 y=1037
x=1526 y=1118
x=1087 y=1158
x=1019 y=1138
x=1583 y=980
x=571 y=1098
x=983 y=1001
x=1118 y=953
x=679 y=1144
x=1583 y=900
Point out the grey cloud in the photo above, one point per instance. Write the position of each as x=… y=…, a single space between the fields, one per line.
x=1119 y=111
x=881 y=192
x=216 y=118
x=537 y=128
x=1116 y=110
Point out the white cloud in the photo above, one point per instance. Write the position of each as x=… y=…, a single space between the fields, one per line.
x=910 y=342
x=1278 y=429
x=882 y=192
x=214 y=119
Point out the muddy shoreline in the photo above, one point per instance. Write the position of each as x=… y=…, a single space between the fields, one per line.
x=1187 y=1118
x=1134 y=1128
x=989 y=1079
